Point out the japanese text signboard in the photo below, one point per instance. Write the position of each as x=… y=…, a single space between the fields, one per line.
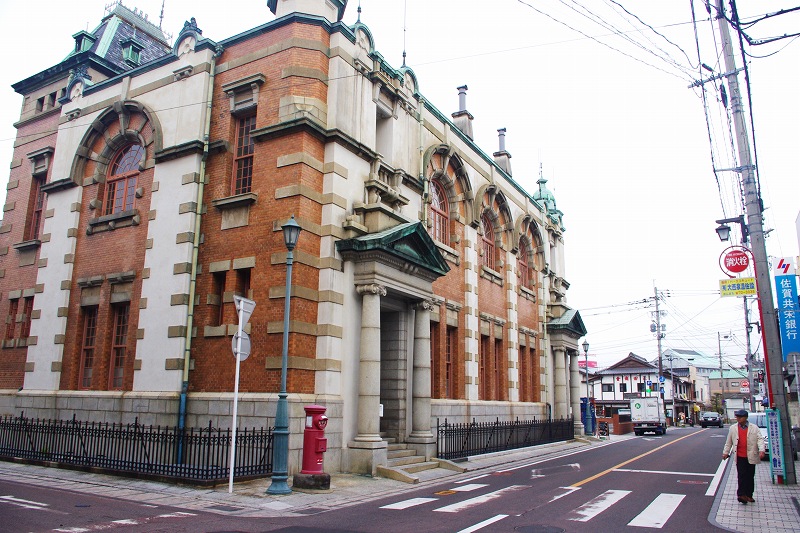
x=737 y=287
x=786 y=291
x=775 y=441
x=736 y=261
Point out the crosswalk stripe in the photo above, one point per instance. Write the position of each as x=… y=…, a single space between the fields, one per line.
x=470 y=487
x=466 y=504
x=597 y=505
x=567 y=490
x=712 y=487
x=658 y=512
x=405 y=504
x=481 y=525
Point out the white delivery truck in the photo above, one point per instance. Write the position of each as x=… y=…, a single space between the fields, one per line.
x=647 y=414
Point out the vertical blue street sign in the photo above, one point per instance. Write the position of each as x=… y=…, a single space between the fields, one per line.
x=788 y=315
x=777 y=467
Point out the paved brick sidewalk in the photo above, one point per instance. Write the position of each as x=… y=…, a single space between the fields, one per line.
x=776 y=510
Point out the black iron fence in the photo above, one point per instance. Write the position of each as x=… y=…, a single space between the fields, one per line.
x=457 y=441
x=138 y=450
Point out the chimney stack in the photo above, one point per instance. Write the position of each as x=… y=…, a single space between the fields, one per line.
x=502 y=157
x=462 y=118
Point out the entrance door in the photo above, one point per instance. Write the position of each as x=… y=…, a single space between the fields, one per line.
x=394 y=374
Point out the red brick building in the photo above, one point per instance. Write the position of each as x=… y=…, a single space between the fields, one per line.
x=149 y=186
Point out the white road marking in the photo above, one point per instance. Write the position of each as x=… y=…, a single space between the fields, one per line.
x=555 y=469
x=597 y=505
x=567 y=490
x=466 y=504
x=712 y=487
x=25 y=504
x=662 y=472
x=658 y=512
x=177 y=514
x=559 y=456
x=467 y=488
x=122 y=522
x=472 y=478
x=405 y=504
x=481 y=525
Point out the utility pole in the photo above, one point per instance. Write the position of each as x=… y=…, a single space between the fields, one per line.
x=659 y=335
x=747 y=328
x=721 y=379
x=772 y=349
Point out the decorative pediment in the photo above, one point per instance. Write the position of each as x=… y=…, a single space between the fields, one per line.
x=570 y=322
x=409 y=243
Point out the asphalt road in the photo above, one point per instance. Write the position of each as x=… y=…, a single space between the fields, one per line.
x=652 y=482
x=664 y=482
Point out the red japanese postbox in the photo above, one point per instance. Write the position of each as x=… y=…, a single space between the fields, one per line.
x=314 y=442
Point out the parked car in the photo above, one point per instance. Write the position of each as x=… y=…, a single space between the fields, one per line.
x=711 y=418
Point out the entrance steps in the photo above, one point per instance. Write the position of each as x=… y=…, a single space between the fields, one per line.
x=404 y=465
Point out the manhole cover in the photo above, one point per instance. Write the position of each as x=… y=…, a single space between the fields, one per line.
x=692 y=482
x=445 y=492
x=539 y=529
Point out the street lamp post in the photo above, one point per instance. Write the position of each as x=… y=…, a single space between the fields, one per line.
x=587 y=426
x=280 y=468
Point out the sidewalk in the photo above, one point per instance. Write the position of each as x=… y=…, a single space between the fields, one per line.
x=777 y=507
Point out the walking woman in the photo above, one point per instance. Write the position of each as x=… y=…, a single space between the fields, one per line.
x=746 y=442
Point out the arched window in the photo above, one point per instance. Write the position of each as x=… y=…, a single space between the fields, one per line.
x=121 y=183
x=523 y=268
x=487 y=242
x=439 y=213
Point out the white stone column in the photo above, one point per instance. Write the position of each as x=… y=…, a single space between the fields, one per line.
x=421 y=436
x=421 y=381
x=369 y=382
x=575 y=392
x=560 y=375
x=368 y=450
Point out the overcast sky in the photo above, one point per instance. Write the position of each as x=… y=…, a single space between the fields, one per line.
x=596 y=93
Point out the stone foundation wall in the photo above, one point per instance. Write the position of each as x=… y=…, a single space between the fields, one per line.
x=154 y=408
x=461 y=411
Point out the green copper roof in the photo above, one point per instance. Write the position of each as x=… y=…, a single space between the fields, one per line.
x=409 y=242
x=570 y=321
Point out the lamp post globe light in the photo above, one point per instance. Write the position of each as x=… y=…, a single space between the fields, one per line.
x=280 y=464
x=588 y=418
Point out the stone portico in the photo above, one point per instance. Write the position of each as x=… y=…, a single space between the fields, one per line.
x=393 y=274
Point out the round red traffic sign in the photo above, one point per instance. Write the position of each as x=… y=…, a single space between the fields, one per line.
x=735 y=261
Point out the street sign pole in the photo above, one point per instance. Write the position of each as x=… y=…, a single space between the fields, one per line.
x=245 y=308
x=235 y=399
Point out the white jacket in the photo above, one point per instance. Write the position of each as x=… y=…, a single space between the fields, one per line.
x=755 y=442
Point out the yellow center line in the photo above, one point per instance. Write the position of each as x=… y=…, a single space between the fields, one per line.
x=604 y=472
